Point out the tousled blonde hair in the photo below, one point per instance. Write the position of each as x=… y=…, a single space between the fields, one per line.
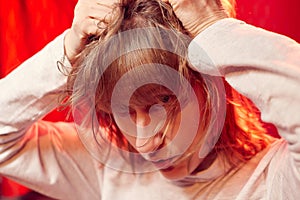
x=243 y=134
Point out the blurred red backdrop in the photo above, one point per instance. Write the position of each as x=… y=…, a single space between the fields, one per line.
x=27 y=25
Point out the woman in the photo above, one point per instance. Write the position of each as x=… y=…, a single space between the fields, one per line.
x=223 y=150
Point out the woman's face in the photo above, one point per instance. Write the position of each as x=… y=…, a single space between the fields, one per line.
x=166 y=130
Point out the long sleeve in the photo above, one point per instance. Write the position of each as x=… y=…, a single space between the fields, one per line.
x=45 y=156
x=265 y=67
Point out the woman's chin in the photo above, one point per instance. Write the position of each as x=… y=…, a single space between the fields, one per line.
x=174 y=173
x=181 y=170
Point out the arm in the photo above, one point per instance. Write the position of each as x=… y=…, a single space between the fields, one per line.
x=45 y=156
x=41 y=155
x=37 y=81
x=263 y=66
x=31 y=90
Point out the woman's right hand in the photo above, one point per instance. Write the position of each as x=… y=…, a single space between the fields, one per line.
x=87 y=15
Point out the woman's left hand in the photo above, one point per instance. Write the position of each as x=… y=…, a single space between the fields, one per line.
x=196 y=15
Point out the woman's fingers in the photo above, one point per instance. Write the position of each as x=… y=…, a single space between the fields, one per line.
x=196 y=15
x=87 y=22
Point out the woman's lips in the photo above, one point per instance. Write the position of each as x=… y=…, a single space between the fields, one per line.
x=164 y=164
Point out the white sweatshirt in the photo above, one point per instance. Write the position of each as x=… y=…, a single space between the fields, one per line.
x=50 y=158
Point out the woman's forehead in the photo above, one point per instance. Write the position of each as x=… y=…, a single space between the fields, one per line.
x=146 y=92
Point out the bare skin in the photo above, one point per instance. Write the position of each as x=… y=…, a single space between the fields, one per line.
x=197 y=15
x=87 y=15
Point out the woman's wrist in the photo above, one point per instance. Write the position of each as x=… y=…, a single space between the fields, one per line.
x=73 y=45
x=196 y=27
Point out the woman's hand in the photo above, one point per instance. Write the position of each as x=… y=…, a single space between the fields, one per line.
x=196 y=15
x=87 y=15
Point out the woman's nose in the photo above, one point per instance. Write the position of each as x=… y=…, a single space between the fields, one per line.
x=146 y=138
x=142 y=118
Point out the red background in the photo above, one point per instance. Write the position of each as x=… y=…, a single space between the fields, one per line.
x=27 y=25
